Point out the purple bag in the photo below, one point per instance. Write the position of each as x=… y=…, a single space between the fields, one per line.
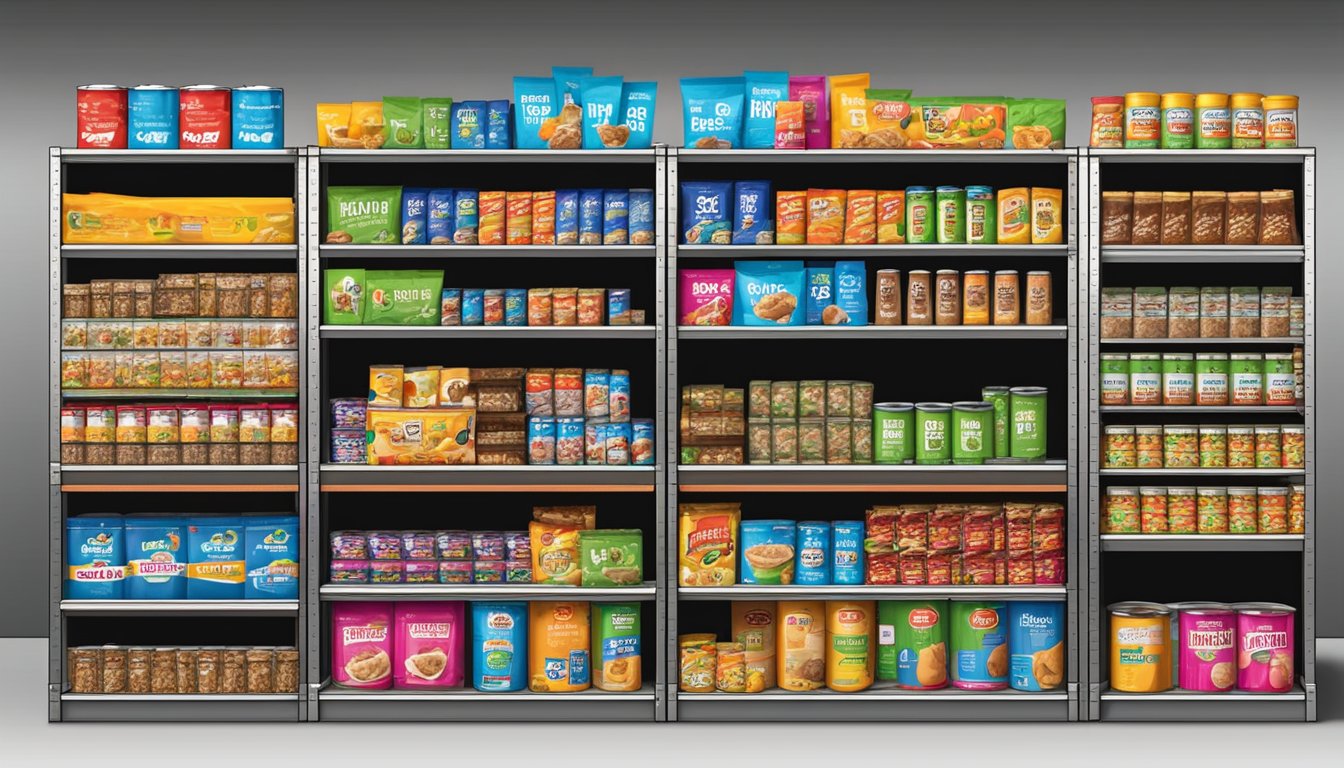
x=811 y=90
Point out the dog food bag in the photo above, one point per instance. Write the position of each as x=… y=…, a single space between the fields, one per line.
x=707 y=535
x=429 y=643
x=363 y=215
x=271 y=557
x=768 y=293
x=811 y=91
x=615 y=653
x=1035 y=124
x=95 y=558
x=403 y=125
x=558 y=646
x=849 y=109
x=156 y=558
x=403 y=297
x=712 y=112
x=600 y=99
x=638 y=101
x=333 y=125
x=361 y=645
x=499 y=646
x=706 y=214
x=763 y=91
x=825 y=216
x=752 y=224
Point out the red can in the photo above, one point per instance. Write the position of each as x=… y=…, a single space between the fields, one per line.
x=204 y=118
x=100 y=117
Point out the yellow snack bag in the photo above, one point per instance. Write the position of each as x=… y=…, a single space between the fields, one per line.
x=825 y=216
x=366 y=124
x=849 y=109
x=559 y=659
x=333 y=126
x=861 y=217
x=1047 y=208
x=791 y=217
x=708 y=544
x=491 y=218
x=800 y=644
x=555 y=554
x=754 y=628
x=1014 y=216
x=124 y=219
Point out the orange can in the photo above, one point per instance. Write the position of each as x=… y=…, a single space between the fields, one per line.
x=491 y=219
x=975 y=297
x=1141 y=649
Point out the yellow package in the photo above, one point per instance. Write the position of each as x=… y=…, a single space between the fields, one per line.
x=825 y=216
x=490 y=208
x=791 y=217
x=861 y=217
x=420 y=387
x=851 y=649
x=754 y=628
x=1047 y=215
x=888 y=111
x=699 y=660
x=366 y=124
x=422 y=436
x=559 y=659
x=956 y=122
x=387 y=385
x=555 y=554
x=849 y=109
x=890 y=216
x=128 y=220
x=1014 y=216
x=333 y=126
x=800 y=644
x=707 y=535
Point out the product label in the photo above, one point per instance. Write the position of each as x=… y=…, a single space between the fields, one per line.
x=1215 y=123
x=1145 y=388
x=1180 y=121
x=1212 y=388
x=1177 y=388
x=1247 y=388
x=1280 y=389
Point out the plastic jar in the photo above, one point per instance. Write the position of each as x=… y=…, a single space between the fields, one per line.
x=1248 y=121
x=1211 y=378
x=1214 y=121
x=1280 y=121
x=1145 y=379
x=1280 y=381
x=1293 y=438
x=1153 y=510
x=1142 y=121
x=1240 y=446
x=1297 y=509
x=1268 y=446
x=1180 y=446
x=1122 y=510
x=1108 y=130
x=1119 y=451
x=1211 y=506
x=1148 y=442
x=1114 y=378
x=1212 y=446
x=1178 y=120
x=1241 y=510
x=1247 y=372
x=1182 y=510
x=1178 y=378
x=1272 y=510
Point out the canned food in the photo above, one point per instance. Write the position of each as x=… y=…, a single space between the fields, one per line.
x=258 y=117
x=1141 y=653
x=932 y=421
x=1007 y=304
x=1207 y=641
x=1213 y=120
x=1248 y=121
x=1027 y=414
x=153 y=118
x=1266 y=647
x=1280 y=122
x=981 y=216
x=100 y=117
x=203 y=117
x=1000 y=397
x=951 y=202
x=1178 y=121
x=973 y=432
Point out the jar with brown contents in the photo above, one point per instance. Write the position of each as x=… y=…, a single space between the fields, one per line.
x=1278 y=218
x=975 y=298
x=1147 y=227
x=282 y=295
x=1183 y=313
x=286 y=670
x=163 y=671
x=1117 y=313
x=1243 y=218
x=888 y=297
x=114 y=669
x=1175 y=218
x=1213 y=312
x=1007 y=304
x=233 y=663
x=1040 y=306
x=1117 y=217
x=1244 y=312
x=186 y=670
x=75 y=300
x=1208 y=212
x=918 y=298
x=85 y=670
x=260 y=670
x=137 y=670
x=258 y=300
x=947 y=307
x=209 y=665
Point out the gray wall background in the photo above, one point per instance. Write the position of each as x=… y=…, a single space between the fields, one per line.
x=342 y=51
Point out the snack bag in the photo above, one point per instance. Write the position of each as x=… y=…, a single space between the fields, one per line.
x=1035 y=124
x=363 y=215
x=820 y=291
x=705 y=212
x=752 y=224
x=825 y=216
x=891 y=216
x=638 y=101
x=518 y=218
x=555 y=554
x=344 y=304
x=403 y=297
x=712 y=112
x=366 y=124
x=790 y=125
x=888 y=116
x=535 y=101
x=437 y=115
x=811 y=90
x=414 y=216
x=1047 y=223
x=851 y=295
x=861 y=217
x=497 y=133
x=763 y=90
x=468 y=125
x=706 y=296
x=768 y=293
x=956 y=122
x=466 y=216
x=333 y=126
x=441 y=213
x=403 y=122
x=601 y=99
x=567 y=83
x=791 y=218
x=849 y=109
x=491 y=217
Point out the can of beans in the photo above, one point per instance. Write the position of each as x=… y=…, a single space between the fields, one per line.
x=203 y=117
x=152 y=122
x=258 y=117
x=100 y=117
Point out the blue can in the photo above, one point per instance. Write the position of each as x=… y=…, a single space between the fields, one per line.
x=616 y=438
x=497 y=133
x=258 y=117
x=616 y=217
x=473 y=306
x=152 y=118
x=271 y=549
x=768 y=551
x=541 y=440
x=156 y=558
x=566 y=217
x=641 y=217
x=618 y=396
x=414 y=216
x=441 y=214
x=466 y=217
x=515 y=306
x=847 y=552
x=1034 y=628
x=215 y=562
x=499 y=647
x=569 y=440
x=591 y=203
x=814 y=553
x=95 y=558
x=643 y=448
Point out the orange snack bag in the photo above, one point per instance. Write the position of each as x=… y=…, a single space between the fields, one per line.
x=518 y=218
x=789 y=125
x=543 y=218
x=849 y=109
x=490 y=218
x=825 y=216
x=891 y=216
x=861 y=217
x=791 y=217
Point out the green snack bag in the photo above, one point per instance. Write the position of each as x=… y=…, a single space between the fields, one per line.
x=403 y=296
x=612 y=558
x=363 y=215
x=1035 y=124
x=437 y=114
x=402 y=122
x=344 y=302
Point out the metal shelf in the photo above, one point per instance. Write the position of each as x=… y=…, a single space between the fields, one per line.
x=881 y=703
x=1219 y=340
x=1200 y=409
x=1161 y=542
x=179 y=478
x=1295 y=155
x=330 y=155
x=178 y=394
x=1202 y=254
x=360 y=477
x=909 y=249
x=69 y=155
x=792 y=156
x=1046 y=477
x=1193 y=706
x=1223 y=473
x=360 y=592
x=491 y=251
x=789 y=332
x=166 y=707
x=469 y=705
x=540 y=332
x=180 y=251
x=180 y=607
x=872 y=592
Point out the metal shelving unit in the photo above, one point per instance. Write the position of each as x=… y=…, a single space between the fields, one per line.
x=539 y=332
x=1182 y=168
x=493 y=251
x=356 y=592
x=881 y=703
x=468 y=705
x=884 y=332
x=66 y=482
x=873 y=592
x=924 y=250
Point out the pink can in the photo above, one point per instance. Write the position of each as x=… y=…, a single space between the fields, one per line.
x=361 y=645
x=1265 y=647
x=430 y=641
x=1207 y=639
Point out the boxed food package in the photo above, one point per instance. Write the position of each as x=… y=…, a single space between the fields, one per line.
x=421 y=436
x=127 y=220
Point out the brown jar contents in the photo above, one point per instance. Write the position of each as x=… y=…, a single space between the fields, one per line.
x=233 y=663
x=123 y=298
x=222 y=454
x=208 y=667
x=284 y=453
x=100 y=297
x=282 y=295
x=100 y=453
x=186 y=670
x=131 y=453
x=137 y=670
x=258 y=300
x=1147 y=228
x=163 y=671
x=114 y=670
x=287 y=670
x=85 y=670
x=1208 y=212
x=1175 y=218
x=1243 y=218
x=1274 y=312
x=948 y=290
x=75 y=302
x=254 y=453
x=164 y=454
x=72 y=453
x=144 y=298
x=195 y=453
x=260 y=670
x=207 y=294
x=1278 y=218
x=1007 y=304
x=232 y=295
x=975 y=298
x=1150 y=312
x=1183 y=313
x=919 y=291
x=1244 y=312
x=888 y=297
x=1213 y=312
x=1117 y=313
x=1040 y=302
x=1117 y=217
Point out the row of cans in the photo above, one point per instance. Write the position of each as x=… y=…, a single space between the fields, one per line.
x=192 y=117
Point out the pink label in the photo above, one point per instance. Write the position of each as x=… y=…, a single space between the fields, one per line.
x=705 y=296
x=361 y=649
x=1265 y=652
x=1208 y=651
x=429 y=645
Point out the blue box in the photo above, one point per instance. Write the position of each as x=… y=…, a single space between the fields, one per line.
x=156 y=563
x=271 y=547
x=814 y=553
x=258 y=117
x=215 y=565
x=95 y=557
x=566 y=217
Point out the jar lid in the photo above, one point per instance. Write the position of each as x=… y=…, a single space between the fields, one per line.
x=1138 y=609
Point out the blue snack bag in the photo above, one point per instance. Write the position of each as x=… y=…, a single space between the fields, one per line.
x=534 y=102
x=272 y=558
x=637 y=108
x=566 y=217
x=712 y=112
x=851 y=293
x=497 y=133
x=768 y=293
x=752 y=206
x=847 y=552
x=441 y=212
x=641 y=217
x=473 y=306
x=601 y=100
x=515 y=306
x=615 y=217
x=814 y=554
x=762 y=90
x=820 y=291
x=590 y=217
x=466 y=217
x=468 y=125
x=705 y=215
x=567 y=84
x=414 y=216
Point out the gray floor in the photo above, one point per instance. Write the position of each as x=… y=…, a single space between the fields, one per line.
x=27 y=739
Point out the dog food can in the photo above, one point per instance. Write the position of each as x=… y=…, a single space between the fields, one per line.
x=768 y=550
x=203 y=117
x=1036 y=645
x=1141 y=653
x=894 y=425
x=153 y=117
x=100 y=117
x=1206 y=639
x=972 y=432
x=1266 y=647
x=979 y=645
x=499 y=646
x=258 y=117
x=95 y=558
x=847 y=552
x=932 y=423
x=912 y=643
x=814 y=553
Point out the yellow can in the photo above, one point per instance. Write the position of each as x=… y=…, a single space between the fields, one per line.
x=851 y=650
x=1248 y=121
x=730 y=668
x=698 y=662
x=1014 y=216
x=1178 y=120
x=975 y=298
x=1280 y=121
x=1213 y=121
x=1143 y=123
x=1141 y=649
x=559 y=659
x=754 y=628
x=800 y=644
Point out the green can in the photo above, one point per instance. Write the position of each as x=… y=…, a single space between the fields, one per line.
x=977 y=632
x=999 y=397
x=932 y=422
x=908 y=635
x=1211 y=371
x=1026 y=410
x=951 y=215
x=920 y=215
x=972 y=432
x=981 y=216
x=894 y=428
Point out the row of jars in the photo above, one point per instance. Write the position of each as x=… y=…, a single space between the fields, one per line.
x=1188 y=510
x=1203 y=378
x=1205 y=446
